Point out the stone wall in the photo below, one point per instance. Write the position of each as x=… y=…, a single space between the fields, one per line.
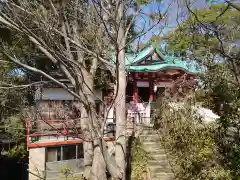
x=36 y=163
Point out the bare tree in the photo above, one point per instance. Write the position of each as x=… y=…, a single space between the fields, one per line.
x=78 y=37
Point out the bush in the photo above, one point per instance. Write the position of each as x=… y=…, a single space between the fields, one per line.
x=191 y=144
x=139 y=161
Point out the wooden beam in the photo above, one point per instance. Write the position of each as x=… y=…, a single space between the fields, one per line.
x=150 y=86
x=135 y=90
x=60 y=143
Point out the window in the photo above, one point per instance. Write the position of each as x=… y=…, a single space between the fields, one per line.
x=64 y=153
x=69 y=152
x=143 y=94
x=53 y=154
x=80 y=151
x=129 y=92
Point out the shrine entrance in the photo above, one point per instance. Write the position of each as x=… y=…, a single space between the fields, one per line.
x=149 y=73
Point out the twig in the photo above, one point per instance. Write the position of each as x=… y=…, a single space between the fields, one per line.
x=11 y=86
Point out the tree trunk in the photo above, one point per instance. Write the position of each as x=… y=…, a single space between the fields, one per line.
x=99 y=166
x=121 y=97
x=87 y=144
x=96 y=169
x=101 y=156
x=85 y=82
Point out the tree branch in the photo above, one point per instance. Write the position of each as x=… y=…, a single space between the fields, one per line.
x=14 y=60
x=221 y=50
x=40 y=47
x=11 y=86
x=88 y=51
x=233 y=5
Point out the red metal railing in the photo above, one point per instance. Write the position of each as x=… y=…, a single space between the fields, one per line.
x=64 y=130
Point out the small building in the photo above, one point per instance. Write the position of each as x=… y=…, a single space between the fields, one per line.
x=51 y=132
x=54 y=133
x=149 y=74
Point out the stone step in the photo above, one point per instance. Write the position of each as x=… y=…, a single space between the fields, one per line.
x=162 y=176
x=145 y=133
x=154 y=151
x=149 y=141
x=152 y=144
x=158 y=157
x=148 y=146
x=158 y=162
x=145 y=127
x=153 y=136
x=161 y=159
x=162 y=169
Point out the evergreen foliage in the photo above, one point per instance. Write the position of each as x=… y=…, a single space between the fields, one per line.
x=209 y=36
x=192 y=145
x=12 y=104
x=139 y=161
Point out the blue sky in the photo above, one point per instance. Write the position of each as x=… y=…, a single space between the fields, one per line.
x=174 y=8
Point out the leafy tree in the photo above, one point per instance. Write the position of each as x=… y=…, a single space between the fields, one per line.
x=211 y=37
x=12 y=103
x=192 y=35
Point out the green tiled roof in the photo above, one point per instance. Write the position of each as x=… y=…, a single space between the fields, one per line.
x=162 y=66
x=168 y=62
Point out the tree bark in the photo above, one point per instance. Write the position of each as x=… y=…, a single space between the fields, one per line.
x=120 y=150
x=101 y=157
x=95 y=167
x=99 y=166
x=87 y=144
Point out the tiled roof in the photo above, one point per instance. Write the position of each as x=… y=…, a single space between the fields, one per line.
x=169 y=62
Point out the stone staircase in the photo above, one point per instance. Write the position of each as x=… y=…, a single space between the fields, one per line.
x=159 y=167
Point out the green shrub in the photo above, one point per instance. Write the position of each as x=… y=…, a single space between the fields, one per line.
x=191 y=144
x=139 y=161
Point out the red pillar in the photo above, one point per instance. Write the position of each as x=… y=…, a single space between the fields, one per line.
x=150 y=87
x=135 y=90
x=28 y=132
